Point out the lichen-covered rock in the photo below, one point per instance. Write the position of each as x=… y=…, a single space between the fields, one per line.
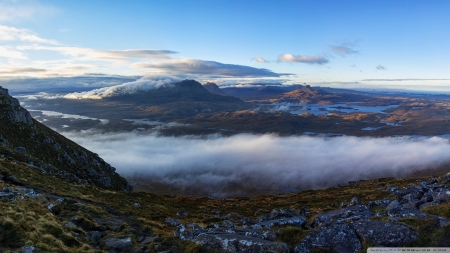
x=352 y=213
x=383 y=234
x=297 y=221
x=339 y=237
x=262 y=234
x=239 y=243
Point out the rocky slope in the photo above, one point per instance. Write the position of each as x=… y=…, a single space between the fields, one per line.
x=378 y=223
x=30 y=141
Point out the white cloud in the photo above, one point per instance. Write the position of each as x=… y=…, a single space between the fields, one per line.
x=260 y=59
x=303 y=59
x=79 y=53
x=206 y=68
x=11 y=53
x=217 y=165
x=142 y=84
x=8 y=33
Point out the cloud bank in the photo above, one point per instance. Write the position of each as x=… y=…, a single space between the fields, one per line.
x=303 y=59
x=222 y=166
x=142 y=84
x=207 y=68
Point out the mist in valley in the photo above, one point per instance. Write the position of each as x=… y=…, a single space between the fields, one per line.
x=245 y=164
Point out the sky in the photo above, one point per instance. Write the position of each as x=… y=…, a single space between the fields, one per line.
x=363 y=44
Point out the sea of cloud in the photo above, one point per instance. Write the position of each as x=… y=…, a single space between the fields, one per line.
x=212 y=165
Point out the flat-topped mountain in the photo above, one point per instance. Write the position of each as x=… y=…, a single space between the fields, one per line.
x=26 y=140
x=184 y=91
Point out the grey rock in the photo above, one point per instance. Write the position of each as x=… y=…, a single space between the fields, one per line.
x=21 y=150
x=339 y=237
x=276 y=214
x=70 y=224
x=149 y=239
x=27 y=249
x=188 y=233
x=50 y=207
x=262 y=234
x=344 y=214
x=393 y=205
x=238 y=243
x=297 y=221
x=7 y=195
x=443 y=196
x=355 y=201
x=384 y=234
x=96 y=236
x=182 y=213
x=228 y=224
x=119 y=245
x=172 y=222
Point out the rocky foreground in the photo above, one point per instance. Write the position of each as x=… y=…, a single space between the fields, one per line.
x=379 y=223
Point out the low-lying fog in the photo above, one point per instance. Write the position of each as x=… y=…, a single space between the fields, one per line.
x=244 y=164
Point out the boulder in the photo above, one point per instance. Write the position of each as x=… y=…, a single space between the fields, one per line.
x=262 y=234
x=352 y=213
x=172 y=222
x=119 y=245
x=383 y=234
x=338 y=237
x=297 y=221
x=239 y=243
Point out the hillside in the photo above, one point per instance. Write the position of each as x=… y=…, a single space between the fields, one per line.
x=46 y=150
x=51 y=203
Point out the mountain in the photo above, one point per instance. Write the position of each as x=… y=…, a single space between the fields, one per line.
x=213 y=88
x=24 y=139
x=184 y=91
x=53 y=200
x=184 y=99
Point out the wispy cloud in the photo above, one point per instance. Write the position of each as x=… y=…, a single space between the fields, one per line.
x=8 y=33
x=260 y=59
x=19 y=70
x=380 y=67
x=343 y=50
x=303 y=59
x=80 y=53
x=17 y=11
x=207 y=68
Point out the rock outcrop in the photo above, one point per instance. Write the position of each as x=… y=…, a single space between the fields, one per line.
x=11 y=109
x=341 y=230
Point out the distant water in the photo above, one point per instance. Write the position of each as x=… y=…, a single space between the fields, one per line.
x=317 y=109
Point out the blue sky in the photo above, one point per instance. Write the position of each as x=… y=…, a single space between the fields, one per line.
x=369 y=44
